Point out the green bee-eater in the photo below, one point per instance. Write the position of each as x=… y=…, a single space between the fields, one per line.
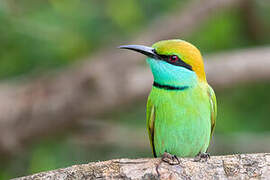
x=181 y=107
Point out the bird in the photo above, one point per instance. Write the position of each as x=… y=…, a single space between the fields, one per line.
x=181 y=107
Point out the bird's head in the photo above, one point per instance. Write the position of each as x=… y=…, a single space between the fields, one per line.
x=173 y=62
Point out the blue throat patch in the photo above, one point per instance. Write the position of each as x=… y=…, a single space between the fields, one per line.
x=169 y=87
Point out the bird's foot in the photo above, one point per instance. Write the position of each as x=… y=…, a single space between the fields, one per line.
x=168 y=158
x=202 y=157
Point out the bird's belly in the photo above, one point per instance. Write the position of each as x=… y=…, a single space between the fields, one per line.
x=182 y=129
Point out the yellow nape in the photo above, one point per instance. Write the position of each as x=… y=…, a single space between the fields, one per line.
x=186 y=51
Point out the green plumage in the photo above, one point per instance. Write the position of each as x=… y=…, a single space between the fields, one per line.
x=179 y=122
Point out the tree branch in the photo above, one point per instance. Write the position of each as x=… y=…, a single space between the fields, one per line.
x=240 y=166
x=232 y=68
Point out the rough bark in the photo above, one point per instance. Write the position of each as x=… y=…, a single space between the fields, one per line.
x=41 y=105
x=239 y=166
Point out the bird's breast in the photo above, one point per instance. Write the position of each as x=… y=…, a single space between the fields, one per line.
x=182 y=121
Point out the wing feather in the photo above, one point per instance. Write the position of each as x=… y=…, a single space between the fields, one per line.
x=151 y=124
x=213 y=103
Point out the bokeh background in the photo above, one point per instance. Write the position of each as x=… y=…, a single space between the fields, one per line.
x=46 y=47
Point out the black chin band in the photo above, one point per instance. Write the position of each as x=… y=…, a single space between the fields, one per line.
x=168 y=87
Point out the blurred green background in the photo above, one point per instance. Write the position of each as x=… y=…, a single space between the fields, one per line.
x=38 y=36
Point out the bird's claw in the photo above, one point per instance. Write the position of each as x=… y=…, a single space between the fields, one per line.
x=170 y=159
x=202 y=157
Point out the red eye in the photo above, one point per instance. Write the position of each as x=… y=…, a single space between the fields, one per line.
x=173 y=58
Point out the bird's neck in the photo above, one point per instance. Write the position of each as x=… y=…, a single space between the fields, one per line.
x=177 y=81
x=167 y=75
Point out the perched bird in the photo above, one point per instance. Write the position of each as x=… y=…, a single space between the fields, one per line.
x=181 y=107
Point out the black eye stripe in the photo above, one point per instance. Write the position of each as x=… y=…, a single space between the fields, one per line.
x=179 y=62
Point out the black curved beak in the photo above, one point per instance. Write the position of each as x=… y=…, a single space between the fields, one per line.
x=148 y=51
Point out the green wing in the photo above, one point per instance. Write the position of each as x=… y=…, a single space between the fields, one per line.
x=150 y=116
x=213 y=103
